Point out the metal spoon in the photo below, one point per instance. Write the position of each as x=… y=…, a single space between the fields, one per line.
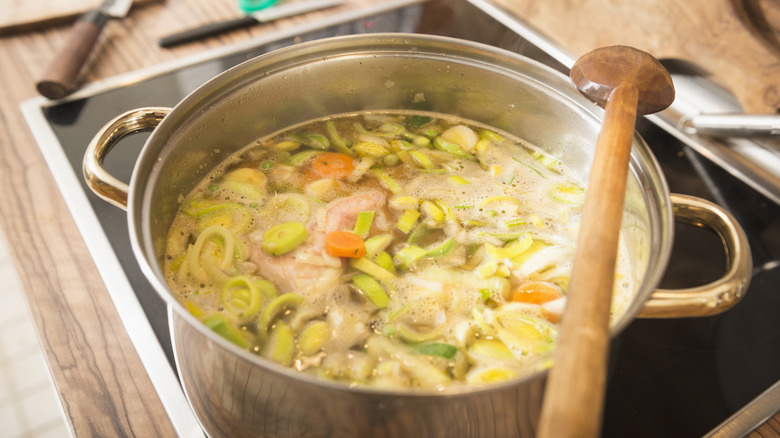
x=626 y=82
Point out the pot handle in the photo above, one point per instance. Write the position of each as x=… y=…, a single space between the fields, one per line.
x=98 y=179
x=720 y=295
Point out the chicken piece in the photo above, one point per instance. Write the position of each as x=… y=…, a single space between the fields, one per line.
x=342 y=213
x=308 y=270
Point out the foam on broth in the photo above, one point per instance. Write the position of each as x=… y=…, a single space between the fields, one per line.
x=470 y=238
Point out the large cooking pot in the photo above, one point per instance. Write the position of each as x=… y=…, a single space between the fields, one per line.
x=235 y=393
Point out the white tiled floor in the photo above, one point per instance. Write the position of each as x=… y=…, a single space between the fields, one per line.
x=29 y=407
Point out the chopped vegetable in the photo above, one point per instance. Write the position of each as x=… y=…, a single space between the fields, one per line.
x=458 y=180
x=440 y=349
x=466 y=279
x=524 y=334
x=536 y=292
x=243 y=189
x=375 y=244
x=414 y=336
x=423 y=373
x=461 y=135
x=332 y=165
x=449 y=214
x=490 y=135
x=266 y=288
x=452 y=148
x=385 y=260
x=388 y=181
x=542 y=259
x=235 y=217
x=372 y=290
x=432 y=211
x=247 y=175
x=441 y=249
x=246 y=182
x=371 y=268
x=194 y=204
x=344 y=244
x=511 y=249
x=490 y=348
x=490 y=375
x=241 y=297
x=335 y=138
x=280 y=347
x=312 y=337
x=407 y=220
x=422 y=160
x=548 y=161
x=500 y=200
x=223 y=327
x=221 y=256
x=405 y=202
x=363 y=223
x=194 y=309
x=286 y=146
x=371 y=149
x=417 y=235
x=418 y=121
x=569 y=194
x=391 y=160
x=410 y=254
x=302 y=158
x=317 y=141
x=276 y=307
x=283 y=238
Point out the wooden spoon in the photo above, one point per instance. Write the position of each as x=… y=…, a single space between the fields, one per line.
x=626 y=82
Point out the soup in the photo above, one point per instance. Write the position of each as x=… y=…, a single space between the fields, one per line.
x=386 y=249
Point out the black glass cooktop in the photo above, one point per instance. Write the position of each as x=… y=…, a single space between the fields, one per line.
x=670 y=378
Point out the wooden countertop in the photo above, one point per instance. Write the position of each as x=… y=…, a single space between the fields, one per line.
x=98 y=376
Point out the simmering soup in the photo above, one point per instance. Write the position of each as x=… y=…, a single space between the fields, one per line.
x=386 y=249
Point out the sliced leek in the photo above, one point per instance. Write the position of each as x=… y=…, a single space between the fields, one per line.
x=363 y=223
x=367 y=266
x=407 y=220
x=372 y=290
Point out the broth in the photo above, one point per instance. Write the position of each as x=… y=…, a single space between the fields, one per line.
x=385 y=249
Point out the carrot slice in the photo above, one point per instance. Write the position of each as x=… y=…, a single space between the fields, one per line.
x=332 y=165
x=344 y=244
x=536 y=292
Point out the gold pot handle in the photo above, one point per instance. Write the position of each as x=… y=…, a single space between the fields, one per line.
x=98 y=179
x=721 y=294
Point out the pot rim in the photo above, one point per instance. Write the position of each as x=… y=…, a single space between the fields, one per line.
x=391 y=44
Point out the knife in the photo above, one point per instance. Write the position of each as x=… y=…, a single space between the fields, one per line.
x=61 y=76
x=282 y=10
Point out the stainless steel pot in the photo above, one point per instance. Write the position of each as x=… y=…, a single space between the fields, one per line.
x=235 y=393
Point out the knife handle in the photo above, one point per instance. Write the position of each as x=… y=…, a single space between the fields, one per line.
x=206 y=31
x=61 y=76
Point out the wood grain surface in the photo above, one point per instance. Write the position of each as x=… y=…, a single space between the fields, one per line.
x=736 y=41
x=98 y=376
x=21 y=15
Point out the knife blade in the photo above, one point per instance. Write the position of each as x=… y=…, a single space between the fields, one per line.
x=61 y=77
x=283 y=10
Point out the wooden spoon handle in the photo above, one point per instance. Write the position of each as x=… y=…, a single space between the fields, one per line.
x=574 y=397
